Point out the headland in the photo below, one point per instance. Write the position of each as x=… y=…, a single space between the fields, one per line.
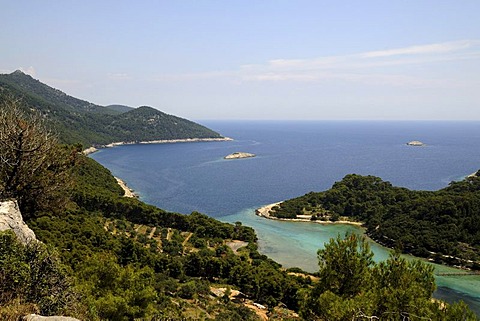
x=264 y=211
x=93 y=149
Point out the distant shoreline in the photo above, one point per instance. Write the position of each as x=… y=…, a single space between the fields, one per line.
x=264 y=211
x=94 y=149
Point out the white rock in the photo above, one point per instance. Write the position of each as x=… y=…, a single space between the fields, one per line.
x=35 y=317
x=237 y=155
x=11 y=219
x=415 y=143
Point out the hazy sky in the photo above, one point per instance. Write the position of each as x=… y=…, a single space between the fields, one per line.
x=385 y=59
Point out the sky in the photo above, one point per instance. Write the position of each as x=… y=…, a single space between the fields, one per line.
x=262 y=59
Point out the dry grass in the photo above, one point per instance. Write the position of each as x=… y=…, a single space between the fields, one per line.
x=15 y=310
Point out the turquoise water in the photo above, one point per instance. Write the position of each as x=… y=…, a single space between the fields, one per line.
x=282 y=241
x=294 y=158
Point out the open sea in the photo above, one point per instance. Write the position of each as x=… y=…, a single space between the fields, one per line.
x=294 y=158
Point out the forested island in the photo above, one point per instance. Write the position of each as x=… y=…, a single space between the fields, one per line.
x=103 y=256
x=443 y=226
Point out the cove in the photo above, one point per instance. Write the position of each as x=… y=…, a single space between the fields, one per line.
x=295 y=244
x=294 y=158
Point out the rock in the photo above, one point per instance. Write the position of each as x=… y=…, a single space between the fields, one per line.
x=11 y=219
x=237 y=155
x=89 y=150
x=35 y=317
x=415 y=143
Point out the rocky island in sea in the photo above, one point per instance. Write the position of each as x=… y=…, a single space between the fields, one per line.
x=415 y=143
x=238 y=155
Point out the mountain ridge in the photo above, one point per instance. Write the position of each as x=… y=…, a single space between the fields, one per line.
x=79 y=121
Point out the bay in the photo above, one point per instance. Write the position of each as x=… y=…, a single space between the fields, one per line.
x=294 y=158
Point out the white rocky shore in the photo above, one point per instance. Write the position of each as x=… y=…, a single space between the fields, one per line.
x=128 y=192
x=171 y=141
x=92 y=149
x=238 y=155
x=264 y=211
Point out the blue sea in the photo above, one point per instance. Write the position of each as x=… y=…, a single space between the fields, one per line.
x=294 y=158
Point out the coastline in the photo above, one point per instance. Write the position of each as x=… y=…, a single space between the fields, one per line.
x=264 y=212
x=128 y=192
x=94 y=149
x=472 y=175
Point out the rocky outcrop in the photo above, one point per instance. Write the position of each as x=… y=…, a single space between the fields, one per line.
x=34 y=317
x=415 y=143
x=11 y=219
x=89 y=150
x=237 y=155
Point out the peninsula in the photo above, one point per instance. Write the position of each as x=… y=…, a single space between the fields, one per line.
x=395 y=215
x=238 y=155
x=266 y=212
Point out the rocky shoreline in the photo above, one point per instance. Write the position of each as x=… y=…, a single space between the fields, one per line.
x=93 y=149
x=264 y=211
x=128 y=192
x=450 y=261
x=239 y=155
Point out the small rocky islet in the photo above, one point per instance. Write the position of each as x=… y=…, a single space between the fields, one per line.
x=415 y=143
x=238 y=155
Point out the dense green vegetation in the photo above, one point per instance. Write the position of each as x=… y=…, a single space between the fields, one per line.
x=33 y=166
x=79 y=121
x=120 y=108
x=134 y=260
x=104 y=256
x=352 y=287
x=443 y=225
x=33 y=280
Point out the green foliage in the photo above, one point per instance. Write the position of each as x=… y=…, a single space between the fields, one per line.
x=352 y=287
x=116 y=292
x=97 y=191
x=33 y=274
x=124 y=270
x=344 y=265
x=444 y=225
x=79 y=121
x=106 y=239
x=33 y=167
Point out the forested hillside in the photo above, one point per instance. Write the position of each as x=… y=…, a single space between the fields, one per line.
x=79 y=121
x=104 y=256
x=443 y=225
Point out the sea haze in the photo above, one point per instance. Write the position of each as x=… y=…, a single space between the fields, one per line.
x=292 y=159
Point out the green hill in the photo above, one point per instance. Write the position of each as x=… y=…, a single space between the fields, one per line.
x=441 y=225
x=104 y=256
x=120 y=108
x=79 y=121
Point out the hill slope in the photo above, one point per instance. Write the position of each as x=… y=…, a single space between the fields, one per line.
x=79 y=121
x=120 y=108
x=441 y=225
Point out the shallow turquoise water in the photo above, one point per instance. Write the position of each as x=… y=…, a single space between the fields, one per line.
x=295 y=244
x=294 y=158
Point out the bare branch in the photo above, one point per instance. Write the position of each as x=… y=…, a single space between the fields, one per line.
x=32 y=165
